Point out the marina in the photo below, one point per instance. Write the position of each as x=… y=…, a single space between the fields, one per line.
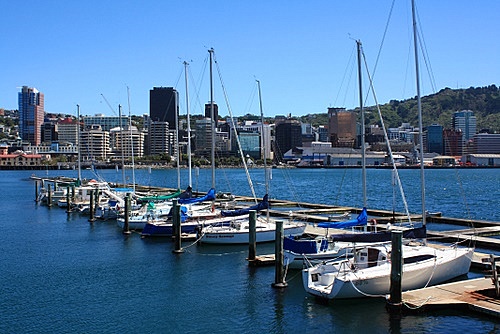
x=74 y=267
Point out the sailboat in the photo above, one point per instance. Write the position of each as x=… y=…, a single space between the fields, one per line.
x=367 y=274
x=238 y=230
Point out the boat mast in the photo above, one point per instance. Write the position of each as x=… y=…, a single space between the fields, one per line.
x=121 y=143
x=363 y=148
x=177 y=158
x=79 y=143
x=212 y=117
x=419 y=106
x=131 y=140
x=188 y=125
x=264 y=152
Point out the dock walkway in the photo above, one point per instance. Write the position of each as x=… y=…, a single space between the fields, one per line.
x=476 y=295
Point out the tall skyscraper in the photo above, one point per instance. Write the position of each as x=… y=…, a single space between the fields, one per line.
x=466 y=121
x=208 y=112
x=31 y=114
x=164 y=105
x=288 y=134
x=435 y=139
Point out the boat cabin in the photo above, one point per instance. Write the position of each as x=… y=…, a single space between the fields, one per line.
x=368 y=257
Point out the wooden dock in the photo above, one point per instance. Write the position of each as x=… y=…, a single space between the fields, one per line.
x=477 y=295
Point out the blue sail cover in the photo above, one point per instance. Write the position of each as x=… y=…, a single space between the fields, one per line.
x=304 y=246
x=264 y=204
x=210 y=196
x=184 y=213
x=362 y=219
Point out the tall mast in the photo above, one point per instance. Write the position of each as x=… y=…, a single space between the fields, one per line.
x=177 y=158
x=263 y=146
x=212 y=117
x=131 y=140
x=121 y=143
x=419 y=106
x=79 y=143
x=190 y=184
x=363 y=155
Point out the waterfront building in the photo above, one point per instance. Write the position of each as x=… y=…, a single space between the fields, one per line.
x=18 y=158
x=31 y=114
x=164 y=105
x=159 y=138
x=322 y=132
x=94 y=143
x=466 y=122
x=342 y=127
x=287 y=135
x=434 y=139
x=127 y=141
x=491 y=160
x=106 y=122
x=453 y=142
x=49 y=132
x=255 y=139
x=67 y=131
x=485 y=143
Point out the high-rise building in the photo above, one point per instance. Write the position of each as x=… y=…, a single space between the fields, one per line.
x=453 y=142
x=164 y=105
x=94 y=143
x=288 y=134
x=208 y=112
x=158 y=138
x=31 y=114
x=106 y=122
x=342 y=127
x=466 y=122
x=435 y=139
x=68 y=131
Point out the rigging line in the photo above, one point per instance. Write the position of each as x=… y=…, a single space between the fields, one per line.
x=349 y=65
x=425 y=54
x=387 y=141
x=235 y=132
x=381 y=46
x=201 y=77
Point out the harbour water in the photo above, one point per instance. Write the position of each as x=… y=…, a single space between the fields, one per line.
x=61 y=274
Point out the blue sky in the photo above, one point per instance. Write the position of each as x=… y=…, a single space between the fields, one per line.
x=301 y=51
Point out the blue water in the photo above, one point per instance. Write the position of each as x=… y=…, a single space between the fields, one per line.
x=61 y=274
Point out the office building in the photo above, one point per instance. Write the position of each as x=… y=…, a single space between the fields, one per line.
x=288 y=135
x=466 y=122
x=435 y=139
x=94 y=143
x=164 y=105
x=31 y=114
x=342 y=127
x=106 y=122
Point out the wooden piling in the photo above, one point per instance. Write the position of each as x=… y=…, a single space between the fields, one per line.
x=279 y=279
x=394 y=302
x=92 y=206
x=252 y=238
x=68 y=200
x=36 y=191
x=49 y=196
x=176 y=225
x=127 y=215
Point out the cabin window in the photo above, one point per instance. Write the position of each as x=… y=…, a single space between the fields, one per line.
x=417 y=258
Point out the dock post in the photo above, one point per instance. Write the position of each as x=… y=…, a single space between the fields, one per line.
x=73 y=192
x=49 y=196
x=127 y=215
x=252 y=240
x=92 y=206
x=68 y=200
x=394 y=302
x=279 y=279
x=36 y=191
x=176 y=224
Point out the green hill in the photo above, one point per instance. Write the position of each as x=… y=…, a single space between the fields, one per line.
x=436 y=108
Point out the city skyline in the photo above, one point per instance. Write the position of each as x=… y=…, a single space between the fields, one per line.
x=303 y=55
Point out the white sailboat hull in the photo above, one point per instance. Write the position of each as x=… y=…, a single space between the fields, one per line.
x=341 y=281
x=239 y=234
